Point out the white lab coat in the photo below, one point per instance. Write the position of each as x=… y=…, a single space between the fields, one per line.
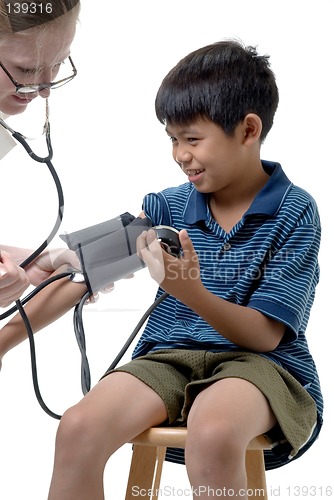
x=6 y=140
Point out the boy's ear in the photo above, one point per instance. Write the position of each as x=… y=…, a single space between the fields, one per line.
x=252 y=128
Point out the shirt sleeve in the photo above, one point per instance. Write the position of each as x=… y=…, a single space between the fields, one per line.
x=289 y=277
x=153 y=208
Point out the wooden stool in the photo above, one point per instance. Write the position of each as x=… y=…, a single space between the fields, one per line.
x=149 y=453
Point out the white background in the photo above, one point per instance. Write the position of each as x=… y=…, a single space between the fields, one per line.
x=109 y=152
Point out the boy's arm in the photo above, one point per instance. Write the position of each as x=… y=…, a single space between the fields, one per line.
x=244 y=326
x=46 y=307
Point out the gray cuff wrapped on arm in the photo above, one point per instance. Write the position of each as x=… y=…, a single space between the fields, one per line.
x=107 y=251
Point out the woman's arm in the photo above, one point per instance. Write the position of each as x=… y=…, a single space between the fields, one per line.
x=14 y=280
x=43 y=309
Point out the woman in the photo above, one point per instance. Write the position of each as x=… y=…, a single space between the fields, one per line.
x=35 y=41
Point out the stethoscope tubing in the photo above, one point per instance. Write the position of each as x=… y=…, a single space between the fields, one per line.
x=18 y=303
x=21 y=139
x=47 y=160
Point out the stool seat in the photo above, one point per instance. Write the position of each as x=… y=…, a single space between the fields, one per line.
x=148 y=455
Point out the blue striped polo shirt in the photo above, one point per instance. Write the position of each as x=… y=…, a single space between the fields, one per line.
x=268 y=261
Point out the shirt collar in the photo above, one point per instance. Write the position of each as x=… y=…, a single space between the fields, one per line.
x=267 y=201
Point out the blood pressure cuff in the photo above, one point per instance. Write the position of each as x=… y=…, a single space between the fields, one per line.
x=107 y=251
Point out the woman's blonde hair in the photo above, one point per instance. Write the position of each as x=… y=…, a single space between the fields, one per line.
x=21 y=15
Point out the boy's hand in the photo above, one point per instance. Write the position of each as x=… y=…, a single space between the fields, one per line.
x=178 y=276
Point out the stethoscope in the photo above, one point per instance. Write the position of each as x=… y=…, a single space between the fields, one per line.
x=20 y=303
x=47 y=160
x=78 y=310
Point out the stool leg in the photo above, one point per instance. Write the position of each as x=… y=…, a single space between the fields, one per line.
x=141 y=472
x=160 y=456
x=256 y=477
x=145 y=472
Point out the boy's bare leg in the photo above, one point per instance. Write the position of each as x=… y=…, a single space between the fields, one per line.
x=223 y=419
x=118 y=408
x=47 y=306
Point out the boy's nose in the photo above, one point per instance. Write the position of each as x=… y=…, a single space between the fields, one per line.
x=183 y=155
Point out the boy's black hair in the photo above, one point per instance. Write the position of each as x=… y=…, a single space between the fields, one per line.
x=224 y=82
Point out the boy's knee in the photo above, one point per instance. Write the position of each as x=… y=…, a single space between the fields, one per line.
x=72 y=428
x=211 y=449
x=214 y=439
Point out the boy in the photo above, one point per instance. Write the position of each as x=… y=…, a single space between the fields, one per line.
x=225 y=353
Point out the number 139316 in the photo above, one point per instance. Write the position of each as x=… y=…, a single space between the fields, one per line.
x=310 y=491
x=29 y=8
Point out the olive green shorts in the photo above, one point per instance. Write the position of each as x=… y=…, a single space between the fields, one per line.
x=178 y=375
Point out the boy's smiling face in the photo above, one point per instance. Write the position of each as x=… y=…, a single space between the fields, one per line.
x=211 y=159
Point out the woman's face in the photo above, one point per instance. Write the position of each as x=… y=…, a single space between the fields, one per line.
x=33 y=58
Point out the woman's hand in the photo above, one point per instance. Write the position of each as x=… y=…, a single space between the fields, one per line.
x=48 y=261
x=13 y=280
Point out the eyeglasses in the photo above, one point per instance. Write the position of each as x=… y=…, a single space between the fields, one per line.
x=29 y=88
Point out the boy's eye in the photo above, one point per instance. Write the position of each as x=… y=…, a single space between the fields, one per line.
x=190 y=139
